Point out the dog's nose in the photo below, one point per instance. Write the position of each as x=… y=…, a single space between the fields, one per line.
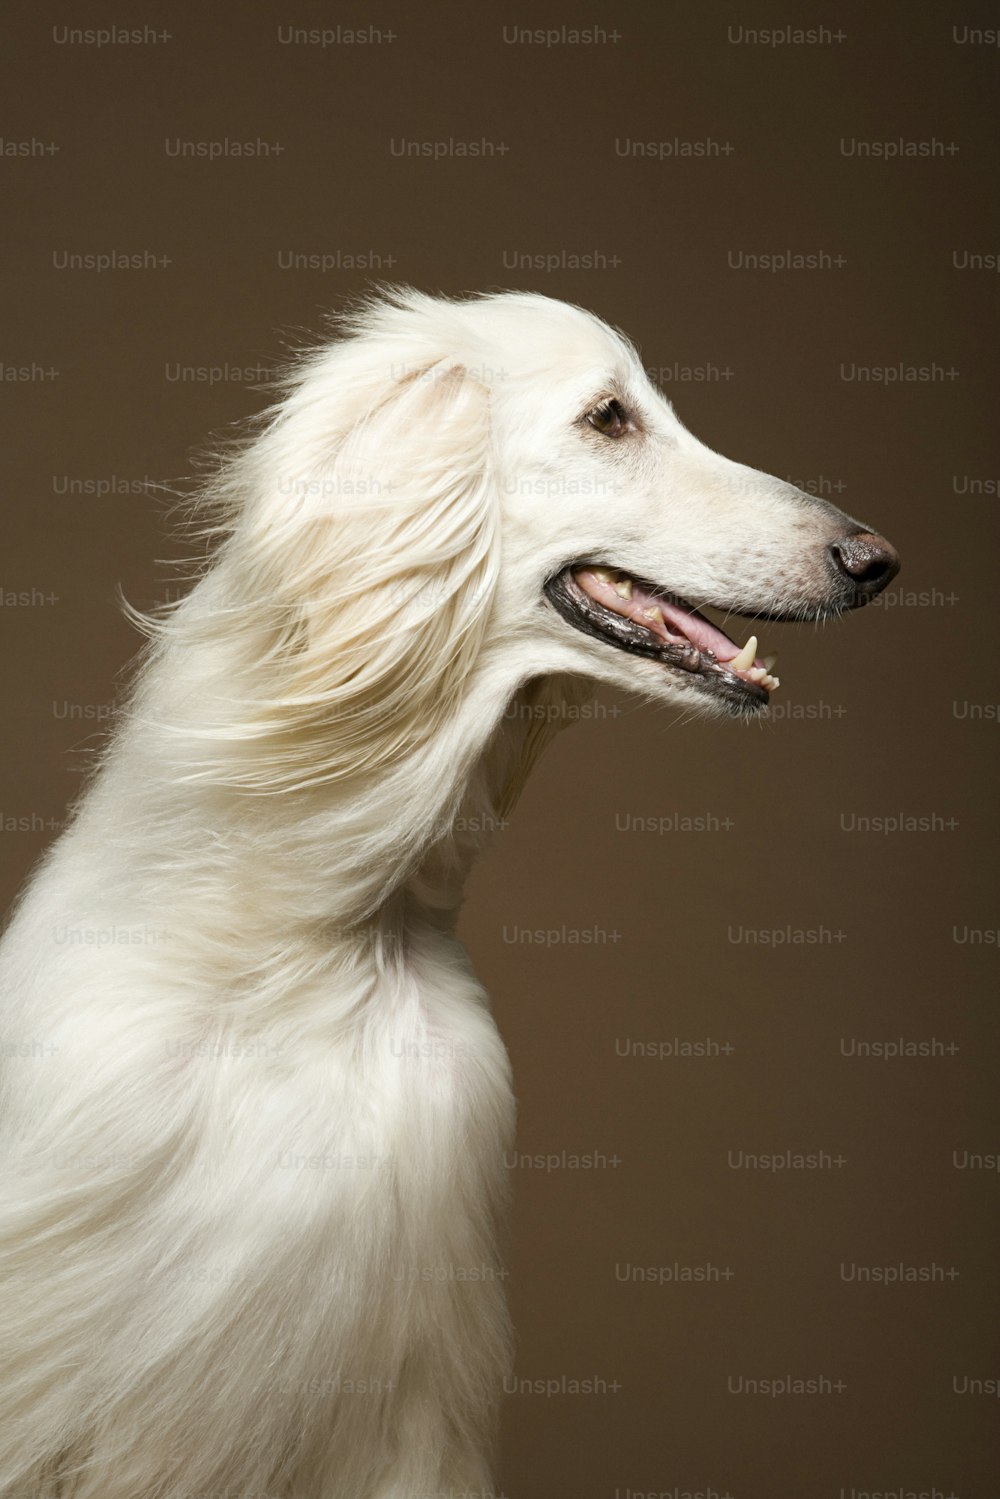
x=867 y=560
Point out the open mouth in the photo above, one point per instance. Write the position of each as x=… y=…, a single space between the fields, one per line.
x=647 y=620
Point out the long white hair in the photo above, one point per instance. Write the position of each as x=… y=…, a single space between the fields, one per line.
x=254 y=1107
x=268 y=1121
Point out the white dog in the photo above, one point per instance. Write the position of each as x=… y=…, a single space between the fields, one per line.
x=255 y=1108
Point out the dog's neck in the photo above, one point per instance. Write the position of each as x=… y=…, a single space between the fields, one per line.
x=532 y=718
x=330 y=870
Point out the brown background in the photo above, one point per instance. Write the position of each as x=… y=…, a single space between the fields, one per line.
x=867 y=723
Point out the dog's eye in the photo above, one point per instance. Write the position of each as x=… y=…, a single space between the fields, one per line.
x=609 y=418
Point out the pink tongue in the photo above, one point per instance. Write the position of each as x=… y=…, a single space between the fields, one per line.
x=680 y=622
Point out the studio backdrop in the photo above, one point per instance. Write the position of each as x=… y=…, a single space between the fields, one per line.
x=746 y=973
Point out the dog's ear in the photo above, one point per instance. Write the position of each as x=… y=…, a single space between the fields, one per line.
x=354 y=588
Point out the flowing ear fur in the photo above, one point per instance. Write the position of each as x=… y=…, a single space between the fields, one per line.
x=337 y=626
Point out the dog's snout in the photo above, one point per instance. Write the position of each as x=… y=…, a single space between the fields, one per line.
x=867 y=561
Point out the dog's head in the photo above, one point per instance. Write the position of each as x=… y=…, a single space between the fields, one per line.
x=619 y=526
x=489 y=491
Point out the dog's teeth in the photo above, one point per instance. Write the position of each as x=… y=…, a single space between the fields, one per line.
x=745 y=659
x=602 y=574
x=656 y=615
x=623 y=588
x=761 y=677
x=770 y=662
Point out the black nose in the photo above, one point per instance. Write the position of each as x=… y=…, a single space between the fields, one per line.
x=867 y=560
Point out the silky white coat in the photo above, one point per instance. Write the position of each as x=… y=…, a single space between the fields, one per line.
x=254 y=1106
